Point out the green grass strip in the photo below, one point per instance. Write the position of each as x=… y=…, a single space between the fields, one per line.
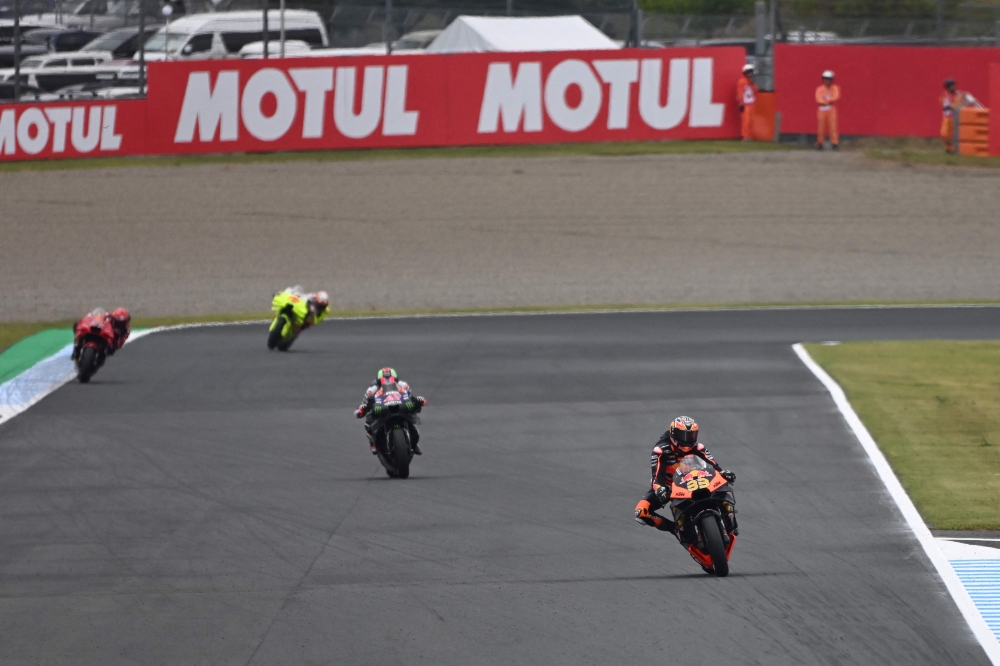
x=12 y=332
x=911 y=151
x=934 y=409
x=25 y=353
x=625 y=148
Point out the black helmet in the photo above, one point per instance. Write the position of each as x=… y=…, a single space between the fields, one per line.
x=684 y=432
x=948 y=83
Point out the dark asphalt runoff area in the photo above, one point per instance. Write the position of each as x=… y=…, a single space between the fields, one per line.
x=205 y=501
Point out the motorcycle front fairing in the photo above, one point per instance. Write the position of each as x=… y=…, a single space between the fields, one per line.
x=697 y=488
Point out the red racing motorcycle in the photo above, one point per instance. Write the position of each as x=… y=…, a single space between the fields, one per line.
x=704 y=508
x=94 y=336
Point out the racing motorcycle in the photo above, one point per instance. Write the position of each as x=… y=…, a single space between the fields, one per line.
x=291 y=312
x=94 y=336
x=704 y=508
x=393 y=414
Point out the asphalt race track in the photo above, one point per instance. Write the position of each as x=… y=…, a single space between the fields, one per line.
x=204 y=501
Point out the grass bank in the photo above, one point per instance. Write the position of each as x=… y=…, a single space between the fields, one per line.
x=548 y=150
x=934 y=409
x=15 y=331
x=912 y=151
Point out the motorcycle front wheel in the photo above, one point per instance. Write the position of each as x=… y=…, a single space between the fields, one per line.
x=712 y=534
x=274 y=335
x=87 y=365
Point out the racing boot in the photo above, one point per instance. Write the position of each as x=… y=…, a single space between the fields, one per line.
x=371 y=440
x=644 y=516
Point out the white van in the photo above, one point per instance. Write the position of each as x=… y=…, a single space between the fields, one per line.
x=223 y=34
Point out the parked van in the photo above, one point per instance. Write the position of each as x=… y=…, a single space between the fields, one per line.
x=223 y=34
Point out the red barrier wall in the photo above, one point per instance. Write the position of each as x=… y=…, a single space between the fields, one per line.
x=60 y=130
x=380 y=101
x=886 y=90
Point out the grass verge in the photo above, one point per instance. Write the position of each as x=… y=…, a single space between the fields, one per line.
x=547 y=150
x=911 y=151
x=934 y=409
x=12 y=332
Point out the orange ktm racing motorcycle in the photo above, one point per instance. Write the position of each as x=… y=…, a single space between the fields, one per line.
x=704 y=508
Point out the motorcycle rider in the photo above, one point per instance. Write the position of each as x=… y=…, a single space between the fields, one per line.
x=387 y=381
x=302 y=310
x=680 y=439
x=120 y=324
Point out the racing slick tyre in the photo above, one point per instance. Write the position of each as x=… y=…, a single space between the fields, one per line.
x=713 y=544
x=87 y=365
x=400 y=453
x=274 y=335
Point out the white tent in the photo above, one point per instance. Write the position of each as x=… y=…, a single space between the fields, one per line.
x=476 y=34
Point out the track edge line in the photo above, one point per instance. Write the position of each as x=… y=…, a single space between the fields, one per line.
x=956 y=588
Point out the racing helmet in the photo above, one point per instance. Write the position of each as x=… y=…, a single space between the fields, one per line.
x=121 y=316
x=322 y=301
x=385 y=377
x=684 y=432
x=748 y=69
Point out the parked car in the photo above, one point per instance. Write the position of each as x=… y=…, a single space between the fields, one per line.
x=27 y=25
x=115 y=89
x=223 y=34
x=102 y=15
x=255 y=50
x=417 y=40
x=53 y=71
x=27 y=92
x=46 y=40
x=122 y=43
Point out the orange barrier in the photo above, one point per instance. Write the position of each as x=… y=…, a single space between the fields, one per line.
x=974 y=132
x=762 y=121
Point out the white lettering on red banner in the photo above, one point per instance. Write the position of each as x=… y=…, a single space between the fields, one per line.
x=224 y=108
x=510 y=98
x=31 y=130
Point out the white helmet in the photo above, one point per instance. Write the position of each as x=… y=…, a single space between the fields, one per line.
x=747 y=68
x=828 y=74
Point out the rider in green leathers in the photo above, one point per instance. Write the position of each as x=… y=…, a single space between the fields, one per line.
x=298 y=312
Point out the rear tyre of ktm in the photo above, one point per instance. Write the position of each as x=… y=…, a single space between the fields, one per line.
x=87 y=364
x=274 y=335
x=712 y=534
x=400 y=452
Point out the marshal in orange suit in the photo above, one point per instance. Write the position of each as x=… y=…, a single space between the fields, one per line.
x=746 y=97
x=827 y=99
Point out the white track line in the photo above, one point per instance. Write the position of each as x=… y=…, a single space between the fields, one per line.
x=959 y=593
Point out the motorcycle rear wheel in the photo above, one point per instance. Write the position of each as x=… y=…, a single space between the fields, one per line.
x=712 y=534
x=87 y=364
x=400 y=453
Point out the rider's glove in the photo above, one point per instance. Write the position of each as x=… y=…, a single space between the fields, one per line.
x=360 y=412
x=662 y=494
x=728 y=476
x=420 y=400
x=741 y=108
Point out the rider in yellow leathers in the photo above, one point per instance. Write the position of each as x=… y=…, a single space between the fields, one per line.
x=300 y=312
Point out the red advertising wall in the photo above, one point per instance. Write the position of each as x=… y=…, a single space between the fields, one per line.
x=393 y=101
x=885 y=90
x=60 y=130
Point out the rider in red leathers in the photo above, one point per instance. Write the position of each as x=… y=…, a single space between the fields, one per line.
x=680 y=440
x=121 y=321
x=120 y=326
